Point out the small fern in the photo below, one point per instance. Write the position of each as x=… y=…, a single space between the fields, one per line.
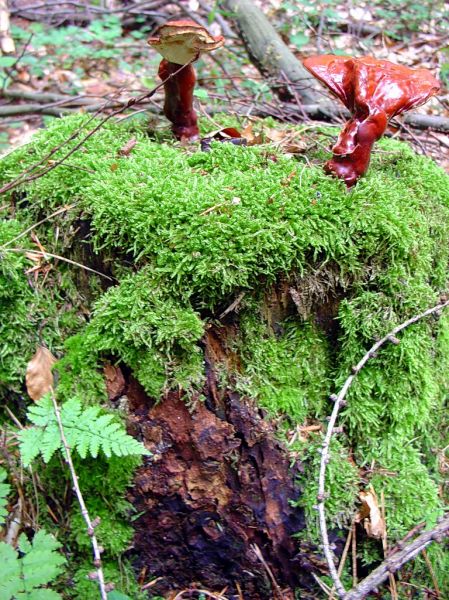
x=86 y=431
x=5 y=488
x=22 y=578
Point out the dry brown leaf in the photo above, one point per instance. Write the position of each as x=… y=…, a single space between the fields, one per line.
x=39 y=378
x=251 y=138
x=370 y=515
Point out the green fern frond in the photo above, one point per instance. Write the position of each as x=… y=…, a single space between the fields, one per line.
x=23 y=578
x=86 y=431
x=5 y=489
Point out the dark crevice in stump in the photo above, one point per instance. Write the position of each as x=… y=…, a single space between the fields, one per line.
x=216 y=496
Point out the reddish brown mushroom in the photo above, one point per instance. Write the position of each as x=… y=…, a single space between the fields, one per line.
x=374 y=91
x=181 y=42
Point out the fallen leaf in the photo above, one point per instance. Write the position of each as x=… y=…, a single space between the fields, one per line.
x=251 y=138
x=370 y=516
x=39 y=378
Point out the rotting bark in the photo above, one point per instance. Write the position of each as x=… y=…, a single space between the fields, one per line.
x=219 y=484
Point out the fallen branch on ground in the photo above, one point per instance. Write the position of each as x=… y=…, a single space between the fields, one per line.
x=27 y=175
x=268 y=52
x=398 y=560
x=392 y=563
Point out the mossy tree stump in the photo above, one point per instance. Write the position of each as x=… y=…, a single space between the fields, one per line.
x=247 y=283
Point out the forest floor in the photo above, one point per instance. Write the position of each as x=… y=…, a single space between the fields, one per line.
x=87 y=53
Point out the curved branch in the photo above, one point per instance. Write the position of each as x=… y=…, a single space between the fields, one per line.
x=395 y=562
x=339 y=400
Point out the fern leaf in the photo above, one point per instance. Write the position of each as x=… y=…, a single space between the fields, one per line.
x=40 y=594
x=23 y=578
x=30 y=443
x=86 y=431
x=41 y=564
x=5 y=489
x=10 y=582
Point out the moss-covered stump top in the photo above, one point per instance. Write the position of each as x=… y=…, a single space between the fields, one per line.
x=210 y=223
x=186 y=232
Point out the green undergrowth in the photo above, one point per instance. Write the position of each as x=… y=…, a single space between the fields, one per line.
x=191 y=231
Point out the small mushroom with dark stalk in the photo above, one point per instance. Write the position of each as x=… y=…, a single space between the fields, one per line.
x=181 y=43
x=374 y=91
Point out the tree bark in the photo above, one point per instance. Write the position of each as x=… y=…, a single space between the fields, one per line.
x=269 y=53
x=217 y=499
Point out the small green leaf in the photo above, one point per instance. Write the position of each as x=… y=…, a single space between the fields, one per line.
x=115 y=595
x=7 y=61
x=299 y=39
x=201 y=94
x=147 y=82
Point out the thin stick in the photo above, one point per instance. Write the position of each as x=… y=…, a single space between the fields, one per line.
x=58 y=212
x=432 y=574
x=393 y=589
x=339 y=400
x=354 y=554
x=131 y=102
x=344 y=556
x=67 y=260
x=79 y=496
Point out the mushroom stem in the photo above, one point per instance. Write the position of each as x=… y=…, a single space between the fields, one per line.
x=352 y=152
x=178 y=105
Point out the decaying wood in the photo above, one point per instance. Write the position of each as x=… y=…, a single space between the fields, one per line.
x=218 y=487
x=269 y=53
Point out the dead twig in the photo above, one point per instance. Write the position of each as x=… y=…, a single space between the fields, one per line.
x=432 y=575
x=79 y=496
x=200 y=592
x=56 y=213
x=277 y=592
x=395 y=562
x=27 y=178
x=339 y=401
x=344 y=556
x=58 y=257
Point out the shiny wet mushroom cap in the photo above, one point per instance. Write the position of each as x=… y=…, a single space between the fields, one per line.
x=180 y=43
x=374 y=91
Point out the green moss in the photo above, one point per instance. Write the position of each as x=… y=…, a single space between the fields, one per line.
x=122 y=576
x=287 y=373
x=342 y=484
x=189 y=231
x=31 y=311
x=410 y=495
x=146 y=328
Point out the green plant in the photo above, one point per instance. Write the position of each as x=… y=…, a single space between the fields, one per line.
x=5 y=489
x=87 y=432
x=24 y=577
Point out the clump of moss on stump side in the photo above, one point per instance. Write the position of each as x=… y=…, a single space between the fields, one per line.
x=190 y=231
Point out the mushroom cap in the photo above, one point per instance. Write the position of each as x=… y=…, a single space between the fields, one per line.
x=367 y=85
x=182 y=41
